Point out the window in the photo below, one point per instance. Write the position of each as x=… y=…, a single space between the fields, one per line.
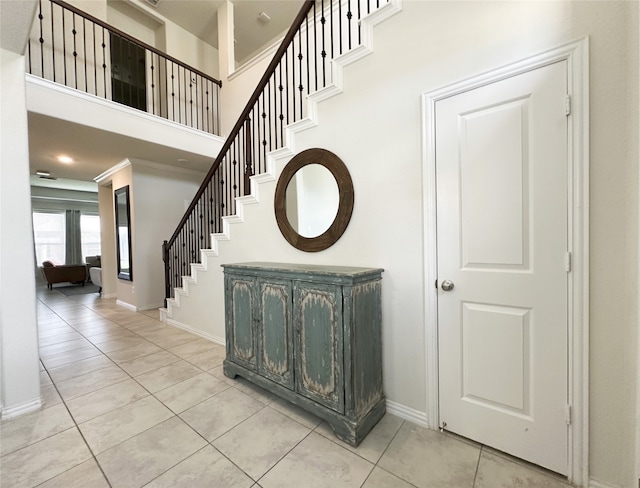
x=49 y=236
x=90 y=235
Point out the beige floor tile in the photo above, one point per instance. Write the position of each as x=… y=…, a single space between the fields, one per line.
x=186 y=394
x=119 y=343
x=94 y=404
x=39 y=462
x=45 y=380
x=60 y=359
x=296 y=413
x=62 y=347
x=170 y=338
x=100 y=337
x=207 y=467
x=81 y=385
x=428 y=458
x=59 y=339
x=194 y=347
x=50 y=396
x=320 y=463
x=51 y=330
x=230 y=406
x=116 y=426
x=133 y=352
x=167 y=376
x=379 y=478
x=79 y=368
x=33 y=427
x=85 y=475
x=148 y=363
x=272 y=436
x=207 y=360
x=254 y=391
x=144 y=457
x=376 y=442
x=495 y=471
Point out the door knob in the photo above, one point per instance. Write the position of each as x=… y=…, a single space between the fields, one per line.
x=447 y=285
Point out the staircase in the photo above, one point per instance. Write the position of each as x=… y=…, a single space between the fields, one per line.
x=224 y=219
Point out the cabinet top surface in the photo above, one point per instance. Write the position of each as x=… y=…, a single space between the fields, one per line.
x=305 y=268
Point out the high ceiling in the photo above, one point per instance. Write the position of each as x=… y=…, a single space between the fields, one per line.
x=97 y=151
x=200 y=18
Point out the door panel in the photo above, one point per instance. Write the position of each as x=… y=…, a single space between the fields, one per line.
x=501 y=166
x=319 y=372
x=242 y=306
x=275 y=332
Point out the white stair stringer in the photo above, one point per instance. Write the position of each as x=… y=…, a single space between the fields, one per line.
x=282 y=155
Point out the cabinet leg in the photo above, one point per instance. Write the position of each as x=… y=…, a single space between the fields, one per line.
x=229 y=370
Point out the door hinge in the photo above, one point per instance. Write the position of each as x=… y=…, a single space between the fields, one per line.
x=567 y=262
x=436 y=284
x=567 y=105
x=568 y=414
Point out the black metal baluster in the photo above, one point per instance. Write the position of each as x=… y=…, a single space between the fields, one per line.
x=41 y=39
x=323 y=53
x=315 y=47
x=95 y=62
x=104 y=65
x=349 y=17
x=153 y=86
x=281 y=116
x=53 y=45
x=340 y=23
x=300 y=57
x=75 y=51
x=84 y=48
x=173 y=95
x=359 y=17
x=64 y=48
x=286 y=81
x=331 y=24
x=308 y=68
x=190 y=97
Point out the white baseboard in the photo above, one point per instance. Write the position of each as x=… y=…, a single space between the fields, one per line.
x=416 y=416
x=188 y=328
x=594 y=483
x=22 y=408
x=150 y=307
x=126 y=305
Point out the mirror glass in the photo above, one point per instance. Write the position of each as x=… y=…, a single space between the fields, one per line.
x=123 y=233
x=312 y=200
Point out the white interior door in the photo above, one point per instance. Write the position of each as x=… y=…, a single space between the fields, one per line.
x=502 y=172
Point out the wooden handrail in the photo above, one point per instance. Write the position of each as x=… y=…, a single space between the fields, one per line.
x=133 y=40
x=288 y=38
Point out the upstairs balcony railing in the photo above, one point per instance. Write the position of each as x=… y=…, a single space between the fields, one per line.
x=73 y=48
x=322 y=31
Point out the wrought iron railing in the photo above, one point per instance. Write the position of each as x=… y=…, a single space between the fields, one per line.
x=70 y=47
x=322 y=30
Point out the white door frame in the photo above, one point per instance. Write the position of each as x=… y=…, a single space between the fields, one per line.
x=577 y=56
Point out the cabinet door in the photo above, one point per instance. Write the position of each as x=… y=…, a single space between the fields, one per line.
x=275 y=338
x=241 y=311
x=319 y=370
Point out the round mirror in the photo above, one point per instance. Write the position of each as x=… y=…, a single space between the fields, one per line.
x=314 y=200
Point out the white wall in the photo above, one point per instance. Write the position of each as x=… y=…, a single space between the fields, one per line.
x=375 y=127
x=19 y=364
x=159 y=198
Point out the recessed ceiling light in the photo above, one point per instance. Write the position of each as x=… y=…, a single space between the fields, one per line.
x=264 y=17
x=182 y=161
x=42 y=172
x=65 y=159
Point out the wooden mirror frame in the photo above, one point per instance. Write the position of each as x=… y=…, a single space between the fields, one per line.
x=345 y=206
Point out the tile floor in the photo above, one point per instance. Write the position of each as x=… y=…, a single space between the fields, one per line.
x=132 y=402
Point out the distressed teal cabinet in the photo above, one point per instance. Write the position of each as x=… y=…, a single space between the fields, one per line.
x=310 y=334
